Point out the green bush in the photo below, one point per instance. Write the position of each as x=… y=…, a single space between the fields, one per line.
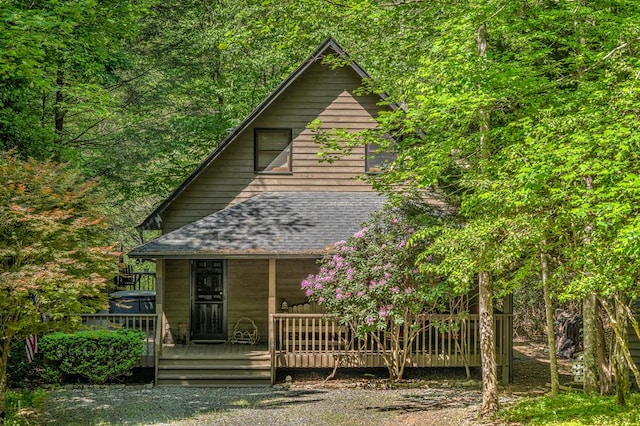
x=97 y=355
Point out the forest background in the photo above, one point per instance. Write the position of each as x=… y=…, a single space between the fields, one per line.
x=524 y=114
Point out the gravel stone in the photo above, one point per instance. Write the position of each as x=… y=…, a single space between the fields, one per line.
x=300 y=405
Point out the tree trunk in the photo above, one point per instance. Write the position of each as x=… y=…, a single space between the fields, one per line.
x=487 y=346
x=590 y=341
x=5 y=349
x=620 y=367
x=58 y=109
x=590 y=323
x=551 y=337
x=485 y=283
x=602 y=354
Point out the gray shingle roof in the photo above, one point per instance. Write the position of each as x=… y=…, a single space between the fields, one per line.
x=269 y=224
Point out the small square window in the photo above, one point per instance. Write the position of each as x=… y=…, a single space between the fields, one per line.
x=376 y=160
x=272 y=150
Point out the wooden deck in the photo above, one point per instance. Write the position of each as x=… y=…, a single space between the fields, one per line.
x=305 y=341
x=318 y=341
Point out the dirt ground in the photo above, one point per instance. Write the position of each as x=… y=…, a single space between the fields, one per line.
x=432 y=397
x=530 y=378
x=531 y=369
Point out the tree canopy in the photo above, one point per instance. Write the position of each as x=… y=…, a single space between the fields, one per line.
x=54 y=251
x=522 y=116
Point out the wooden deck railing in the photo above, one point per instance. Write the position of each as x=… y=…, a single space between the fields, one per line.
x=146 y=323
x=318 y=341
x=135 y=281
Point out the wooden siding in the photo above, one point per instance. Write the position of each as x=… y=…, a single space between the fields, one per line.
x=177 y=293
x=321 y=93
x=247 y=290
x=247 y=293
x=289 y=275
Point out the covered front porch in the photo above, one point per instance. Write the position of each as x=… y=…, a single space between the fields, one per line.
x=267 y=291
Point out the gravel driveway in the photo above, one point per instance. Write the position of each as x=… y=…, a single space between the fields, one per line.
x=299 y=405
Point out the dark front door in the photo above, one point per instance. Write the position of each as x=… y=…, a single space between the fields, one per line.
x=208 y=310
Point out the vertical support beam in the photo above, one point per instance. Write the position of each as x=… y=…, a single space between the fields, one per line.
x=272 y=311
x=160 y=318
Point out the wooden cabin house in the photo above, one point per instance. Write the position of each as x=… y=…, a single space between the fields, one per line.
x=247 y=226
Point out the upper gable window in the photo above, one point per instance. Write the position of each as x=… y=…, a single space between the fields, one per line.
x=272 y=150
x=376 y=160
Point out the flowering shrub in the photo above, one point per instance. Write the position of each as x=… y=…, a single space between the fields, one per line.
x=371 y=282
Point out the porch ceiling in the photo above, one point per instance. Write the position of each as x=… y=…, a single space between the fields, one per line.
x=271 y=224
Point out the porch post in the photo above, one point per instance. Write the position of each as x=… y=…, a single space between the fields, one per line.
x=272 y=311
x=160 y=318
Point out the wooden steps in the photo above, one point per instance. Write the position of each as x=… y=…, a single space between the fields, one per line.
x=219 y=370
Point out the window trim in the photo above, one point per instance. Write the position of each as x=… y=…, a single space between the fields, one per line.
x=258 y=130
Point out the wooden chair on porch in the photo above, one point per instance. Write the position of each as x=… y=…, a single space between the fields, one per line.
x=126 y=279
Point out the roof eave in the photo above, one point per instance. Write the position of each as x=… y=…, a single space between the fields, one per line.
x=312 y=254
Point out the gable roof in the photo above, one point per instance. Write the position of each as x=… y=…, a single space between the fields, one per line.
x=329 y=46
x=283 y=224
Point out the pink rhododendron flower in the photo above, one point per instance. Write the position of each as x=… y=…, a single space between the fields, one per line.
x=361 y=233
x=350 y=273
x=394 y=290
